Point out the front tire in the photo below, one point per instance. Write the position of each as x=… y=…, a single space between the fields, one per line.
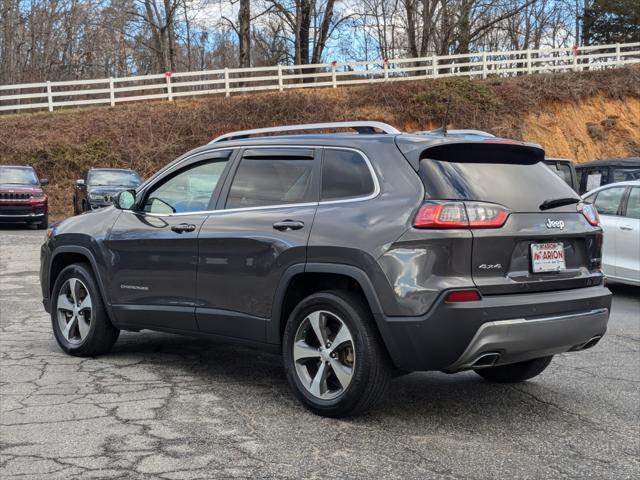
x=515 y=372
x=80 y=322
x=44 y=223
x=333 y=355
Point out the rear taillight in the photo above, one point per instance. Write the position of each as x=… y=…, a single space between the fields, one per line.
x=462 y=296
x=443 y=214
x=590 y=213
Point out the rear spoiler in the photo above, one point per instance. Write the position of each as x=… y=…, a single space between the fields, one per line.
x=479 y=149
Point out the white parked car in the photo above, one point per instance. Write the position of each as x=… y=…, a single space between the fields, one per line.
x=619 y=207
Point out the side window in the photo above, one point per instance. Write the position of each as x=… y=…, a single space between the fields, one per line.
x=608 y=200
x=345 y=174
x=633 y=203
x=624 y=174
x=264 y=181
x=188 y=191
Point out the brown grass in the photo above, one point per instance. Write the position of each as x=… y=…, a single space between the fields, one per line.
x=145 y=136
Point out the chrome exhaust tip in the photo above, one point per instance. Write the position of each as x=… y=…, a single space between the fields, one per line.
x=592 y=342
x=485 y=360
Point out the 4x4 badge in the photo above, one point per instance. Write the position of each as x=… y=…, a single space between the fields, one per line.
x=555 y=224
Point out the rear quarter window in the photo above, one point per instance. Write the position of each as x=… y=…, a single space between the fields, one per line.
x=345 y=174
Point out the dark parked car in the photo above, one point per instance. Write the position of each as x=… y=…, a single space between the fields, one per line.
x=565 y=169
x=98 y=185
x=22 y=199
x=595 y=174
x=355 y=255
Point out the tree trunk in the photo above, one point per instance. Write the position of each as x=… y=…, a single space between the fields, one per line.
x=244 y=33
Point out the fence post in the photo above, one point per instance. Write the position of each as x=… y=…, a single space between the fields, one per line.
x=334 y=82
x=169 y=89
x=385 y=67
x=280 y=80
x=618 y=58
x=49 y=97
x=112 y=93
x=484 y=64
x=529 y=68
x=226 y=82
x=434 y=66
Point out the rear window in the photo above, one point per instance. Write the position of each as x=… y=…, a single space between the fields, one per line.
x=633 y=203
x=263 y=182
x=519 y=186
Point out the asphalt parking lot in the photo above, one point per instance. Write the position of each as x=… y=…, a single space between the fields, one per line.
x=168 y=407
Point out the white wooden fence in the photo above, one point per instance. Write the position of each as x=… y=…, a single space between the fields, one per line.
x=169 y=86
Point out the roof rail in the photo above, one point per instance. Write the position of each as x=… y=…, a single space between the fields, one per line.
x=455 y=132
x=363 y=127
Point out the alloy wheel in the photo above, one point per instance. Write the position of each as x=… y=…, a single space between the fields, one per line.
x=324 y=355
x=74 y=310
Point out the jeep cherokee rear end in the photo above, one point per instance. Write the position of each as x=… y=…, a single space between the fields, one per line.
x=501 y=264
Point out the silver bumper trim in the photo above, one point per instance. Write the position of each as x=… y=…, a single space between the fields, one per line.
x=519 y=339
x=22 y=215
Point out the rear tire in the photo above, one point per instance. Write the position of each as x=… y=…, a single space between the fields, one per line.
x=79 y=319
x=515 y=372
x=358 y=358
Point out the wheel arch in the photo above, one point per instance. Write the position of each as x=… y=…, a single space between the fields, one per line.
x=301 y=280
x=66 y=255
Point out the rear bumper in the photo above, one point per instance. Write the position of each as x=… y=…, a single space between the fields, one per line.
x=509 y=341
x=453 y=337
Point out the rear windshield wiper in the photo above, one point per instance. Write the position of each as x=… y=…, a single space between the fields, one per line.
x=558 y=202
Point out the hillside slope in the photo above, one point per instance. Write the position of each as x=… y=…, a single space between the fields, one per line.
x=582 y=116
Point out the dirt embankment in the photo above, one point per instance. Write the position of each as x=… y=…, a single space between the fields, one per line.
x=582 y=116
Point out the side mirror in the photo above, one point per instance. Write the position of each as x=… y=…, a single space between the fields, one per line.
x=125 y=200
x=80 y=182
x=44 y=182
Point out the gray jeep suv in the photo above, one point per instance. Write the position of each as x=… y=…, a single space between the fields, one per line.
x=357 y=255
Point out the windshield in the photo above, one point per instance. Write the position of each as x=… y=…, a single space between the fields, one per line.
x=18 y=176
x=113 y=178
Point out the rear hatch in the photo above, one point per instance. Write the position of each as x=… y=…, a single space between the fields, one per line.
x=545 y=243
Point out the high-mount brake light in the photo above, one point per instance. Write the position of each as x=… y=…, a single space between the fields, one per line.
x=590 y=213
x=462 y=296
x=433 y=214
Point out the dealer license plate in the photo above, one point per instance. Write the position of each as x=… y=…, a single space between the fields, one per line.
x=547 y=257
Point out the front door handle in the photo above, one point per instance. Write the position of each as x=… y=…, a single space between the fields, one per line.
x=288 y=225
x=183 y=227
x=626 y=227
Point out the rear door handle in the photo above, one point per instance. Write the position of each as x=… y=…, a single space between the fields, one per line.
x=626 y=227
x=183 y=227
x=288 y=225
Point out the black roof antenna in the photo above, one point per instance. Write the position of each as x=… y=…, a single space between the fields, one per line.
x=445 y=120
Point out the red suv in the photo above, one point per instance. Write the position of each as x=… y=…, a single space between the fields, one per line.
x=22 y=199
